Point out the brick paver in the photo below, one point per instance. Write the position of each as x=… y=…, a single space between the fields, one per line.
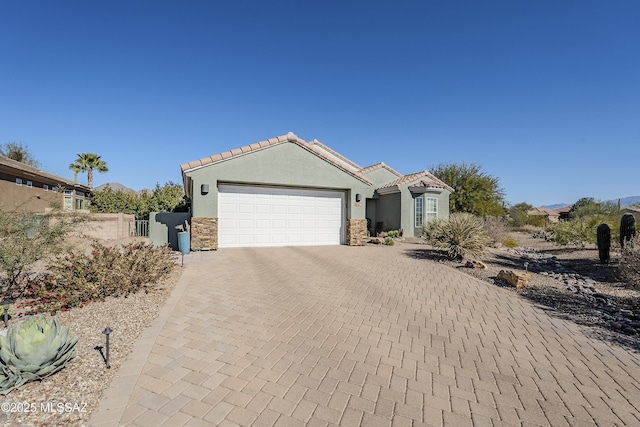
x=362 y=336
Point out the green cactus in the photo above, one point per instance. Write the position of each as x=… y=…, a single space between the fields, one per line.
x=33 y=350
x=604 y=243
x=627 y=228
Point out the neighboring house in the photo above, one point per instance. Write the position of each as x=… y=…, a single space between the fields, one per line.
x=285 y=191
x=25 y=188
x=549 y=215
x=632 y=209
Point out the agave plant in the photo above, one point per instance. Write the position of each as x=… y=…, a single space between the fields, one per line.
x=33 y=350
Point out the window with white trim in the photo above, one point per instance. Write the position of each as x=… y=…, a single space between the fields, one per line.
x=29 y=184
x=419 y=201
x=45 y=187
x=432 y=208
x=18 y=181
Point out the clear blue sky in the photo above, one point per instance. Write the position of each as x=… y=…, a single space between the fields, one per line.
x=544 y=95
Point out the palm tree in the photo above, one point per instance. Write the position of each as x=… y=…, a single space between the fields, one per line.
x=88 y=162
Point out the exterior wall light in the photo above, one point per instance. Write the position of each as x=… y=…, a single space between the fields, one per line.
x=204 y=189
x=358 y=197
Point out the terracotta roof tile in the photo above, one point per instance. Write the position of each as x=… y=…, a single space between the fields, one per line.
x=378 y=166
x=236 y=151
x=206 y=161
x=408 y=179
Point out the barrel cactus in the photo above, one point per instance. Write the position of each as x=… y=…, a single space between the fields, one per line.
x=604 y=242
x=33 y=350
x=627 y=228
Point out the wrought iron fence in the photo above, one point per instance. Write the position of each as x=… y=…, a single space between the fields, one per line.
x=140 y=228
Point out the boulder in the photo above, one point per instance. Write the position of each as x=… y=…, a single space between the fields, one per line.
x=518 y=280
x=475 y=264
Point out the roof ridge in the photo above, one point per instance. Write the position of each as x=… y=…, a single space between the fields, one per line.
x=380 y=165
x=416 y=175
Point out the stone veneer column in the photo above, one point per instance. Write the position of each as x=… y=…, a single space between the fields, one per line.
x=204 y=233
x=356 y=232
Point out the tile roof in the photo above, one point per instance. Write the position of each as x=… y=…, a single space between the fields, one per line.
x=411 y=178
x=13 y=164
x=543 y=211
x=378 y=166
x=314 y=147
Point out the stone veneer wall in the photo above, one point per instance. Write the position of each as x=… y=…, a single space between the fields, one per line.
x=356 y=232
x=204 y=233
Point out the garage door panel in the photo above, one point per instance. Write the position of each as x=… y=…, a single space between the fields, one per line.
x=262 y=216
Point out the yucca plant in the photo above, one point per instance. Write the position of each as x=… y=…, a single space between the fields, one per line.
x=461 y=235
x=33 y=350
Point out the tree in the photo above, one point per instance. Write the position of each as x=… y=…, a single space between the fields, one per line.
x=87 y=162
x=588 y=206
x=475 y=191
x=166 y=198
x=18 y=152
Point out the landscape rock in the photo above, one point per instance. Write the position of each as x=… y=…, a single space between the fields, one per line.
x=475 y=264
x=518 y=280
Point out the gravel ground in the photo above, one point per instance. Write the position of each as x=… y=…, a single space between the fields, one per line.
x=566 y=282
x=81 y=383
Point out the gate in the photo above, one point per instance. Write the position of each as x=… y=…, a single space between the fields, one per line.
x=140 y=228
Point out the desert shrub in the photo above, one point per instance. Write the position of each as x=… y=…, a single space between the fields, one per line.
x=581 y=231
x=461 y=235
x=27 y=239
x=393 y=233
x=496 y=228
x=629 y=266
x=79 y=278
x=389 y=241
x=510 y=242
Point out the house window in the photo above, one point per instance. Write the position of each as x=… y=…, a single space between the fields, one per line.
x=69 y=192
x=54 y=189
x=432 y=208
x=45 y=187
x=29 y=184
x=79 y=193
x=18 y=181
x=419 y=211
x=79 y=203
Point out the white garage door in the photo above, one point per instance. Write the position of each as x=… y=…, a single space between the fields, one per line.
x=266 y=216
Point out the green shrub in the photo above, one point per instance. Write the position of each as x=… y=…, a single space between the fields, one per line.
x=461 y=235
x=389 y=241
x=393 y=233
x=80 y=278
x=510 y=242
x=581 y=231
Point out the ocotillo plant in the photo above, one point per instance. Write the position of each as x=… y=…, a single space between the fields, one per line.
x=627 y=228
x=604 y=242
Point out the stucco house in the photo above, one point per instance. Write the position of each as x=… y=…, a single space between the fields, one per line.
x=25 y=188
x=285 y=191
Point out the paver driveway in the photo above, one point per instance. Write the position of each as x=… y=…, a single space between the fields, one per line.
x=368 y=336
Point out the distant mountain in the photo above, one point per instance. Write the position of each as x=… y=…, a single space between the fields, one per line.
x=115 y=186
x=626 y=201
x=556 y=206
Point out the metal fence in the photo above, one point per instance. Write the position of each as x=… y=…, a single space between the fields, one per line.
x=140 y=228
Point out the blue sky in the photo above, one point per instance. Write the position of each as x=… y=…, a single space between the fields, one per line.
x=544 y=95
